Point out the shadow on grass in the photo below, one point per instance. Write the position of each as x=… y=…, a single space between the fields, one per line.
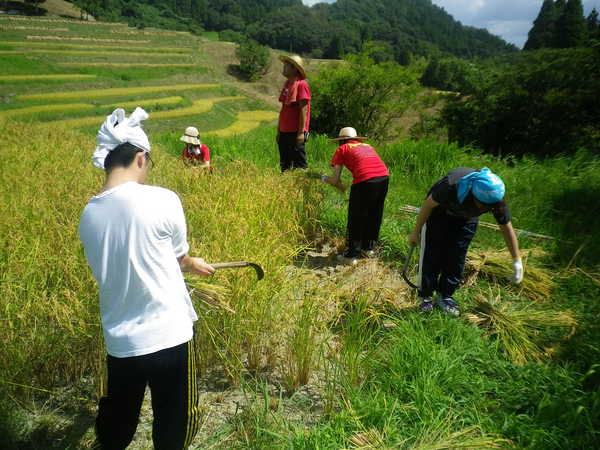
x=576 y=213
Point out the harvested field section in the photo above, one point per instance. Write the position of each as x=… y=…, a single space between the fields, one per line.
x=73 y=76
x=115 y=92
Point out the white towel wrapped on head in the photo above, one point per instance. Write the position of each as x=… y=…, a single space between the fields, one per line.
x=118 y=129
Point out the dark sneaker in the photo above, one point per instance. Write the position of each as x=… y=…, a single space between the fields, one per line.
x=449 y=306
x=426 y=305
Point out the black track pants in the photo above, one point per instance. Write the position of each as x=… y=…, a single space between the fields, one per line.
x=365 y=212
x=171 y=376
x=447 y=240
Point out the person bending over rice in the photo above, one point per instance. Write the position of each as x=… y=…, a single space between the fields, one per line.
x=445 y=226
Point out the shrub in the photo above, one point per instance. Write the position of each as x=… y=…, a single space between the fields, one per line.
x=363 y=94
x=231 y=36
x=254 y=59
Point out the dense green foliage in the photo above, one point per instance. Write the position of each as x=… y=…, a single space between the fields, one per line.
x=539 y=103
x=364 y=94
x=254 y=59
x=452 y=74
x=410 y=28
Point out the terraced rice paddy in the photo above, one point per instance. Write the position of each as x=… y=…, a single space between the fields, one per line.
x=114 y=92
x=92 y=53
x=107 y=64
x=45 y=109
x=100 y=58
x=56 y=45
x=31 y=28
x=245 y=121
x=87 y=39
x=45 y=77
x=48 y=20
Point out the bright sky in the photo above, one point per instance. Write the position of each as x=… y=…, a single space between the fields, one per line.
x=509 y=19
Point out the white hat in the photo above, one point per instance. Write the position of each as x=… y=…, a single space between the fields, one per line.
x=347 y=133
x=118 y=129
x=190 y=136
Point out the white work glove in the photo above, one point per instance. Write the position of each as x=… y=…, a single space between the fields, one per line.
x=517 y=271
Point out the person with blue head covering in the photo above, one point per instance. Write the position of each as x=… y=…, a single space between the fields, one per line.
x=445 y=226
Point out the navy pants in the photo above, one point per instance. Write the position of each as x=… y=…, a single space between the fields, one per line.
x=171 y=376
x=447 y=239
x=291 y=154
x=365 y=212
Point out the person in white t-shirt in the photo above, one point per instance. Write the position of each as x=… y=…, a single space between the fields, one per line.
x=134 y=237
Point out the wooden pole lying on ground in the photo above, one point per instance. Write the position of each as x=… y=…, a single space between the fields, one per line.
x=493 y=226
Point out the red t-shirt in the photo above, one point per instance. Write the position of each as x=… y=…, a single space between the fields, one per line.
x=361 y=160
x=293 y=91
x=204 y=154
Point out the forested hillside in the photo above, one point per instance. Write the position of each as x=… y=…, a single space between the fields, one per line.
x=406 y=28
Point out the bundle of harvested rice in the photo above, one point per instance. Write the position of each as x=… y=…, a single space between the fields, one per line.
x=520 y=329
x=496 y=265
x=211 y=295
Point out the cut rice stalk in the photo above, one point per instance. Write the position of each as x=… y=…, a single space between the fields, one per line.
x=519 y=330
x=496 y=265
x=212 y=295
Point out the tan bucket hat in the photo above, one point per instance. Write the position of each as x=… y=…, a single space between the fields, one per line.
x=295 y=61
x=191 y=136
x=347 y=133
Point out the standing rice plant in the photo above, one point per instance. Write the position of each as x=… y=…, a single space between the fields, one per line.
x=243 y=213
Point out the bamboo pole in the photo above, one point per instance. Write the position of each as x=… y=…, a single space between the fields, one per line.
x=493 y=226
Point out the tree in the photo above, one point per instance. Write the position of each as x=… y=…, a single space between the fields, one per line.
x=571 y=26
x=593 y=25
x=541 y=34
x=541 y=103
x=363 y=94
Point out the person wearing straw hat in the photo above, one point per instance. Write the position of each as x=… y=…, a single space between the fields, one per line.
x=294 y=116
x=195 y=153
x=445 y=226
x=134 y=238
x=370 y=180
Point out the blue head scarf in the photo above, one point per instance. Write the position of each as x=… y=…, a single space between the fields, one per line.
x=486 y=186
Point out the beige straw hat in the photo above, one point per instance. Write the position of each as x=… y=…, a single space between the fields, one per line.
x=295 y=61
x=191 y=136
x=347 y=133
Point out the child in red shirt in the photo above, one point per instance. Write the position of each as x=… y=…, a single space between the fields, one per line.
x=195 y=153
